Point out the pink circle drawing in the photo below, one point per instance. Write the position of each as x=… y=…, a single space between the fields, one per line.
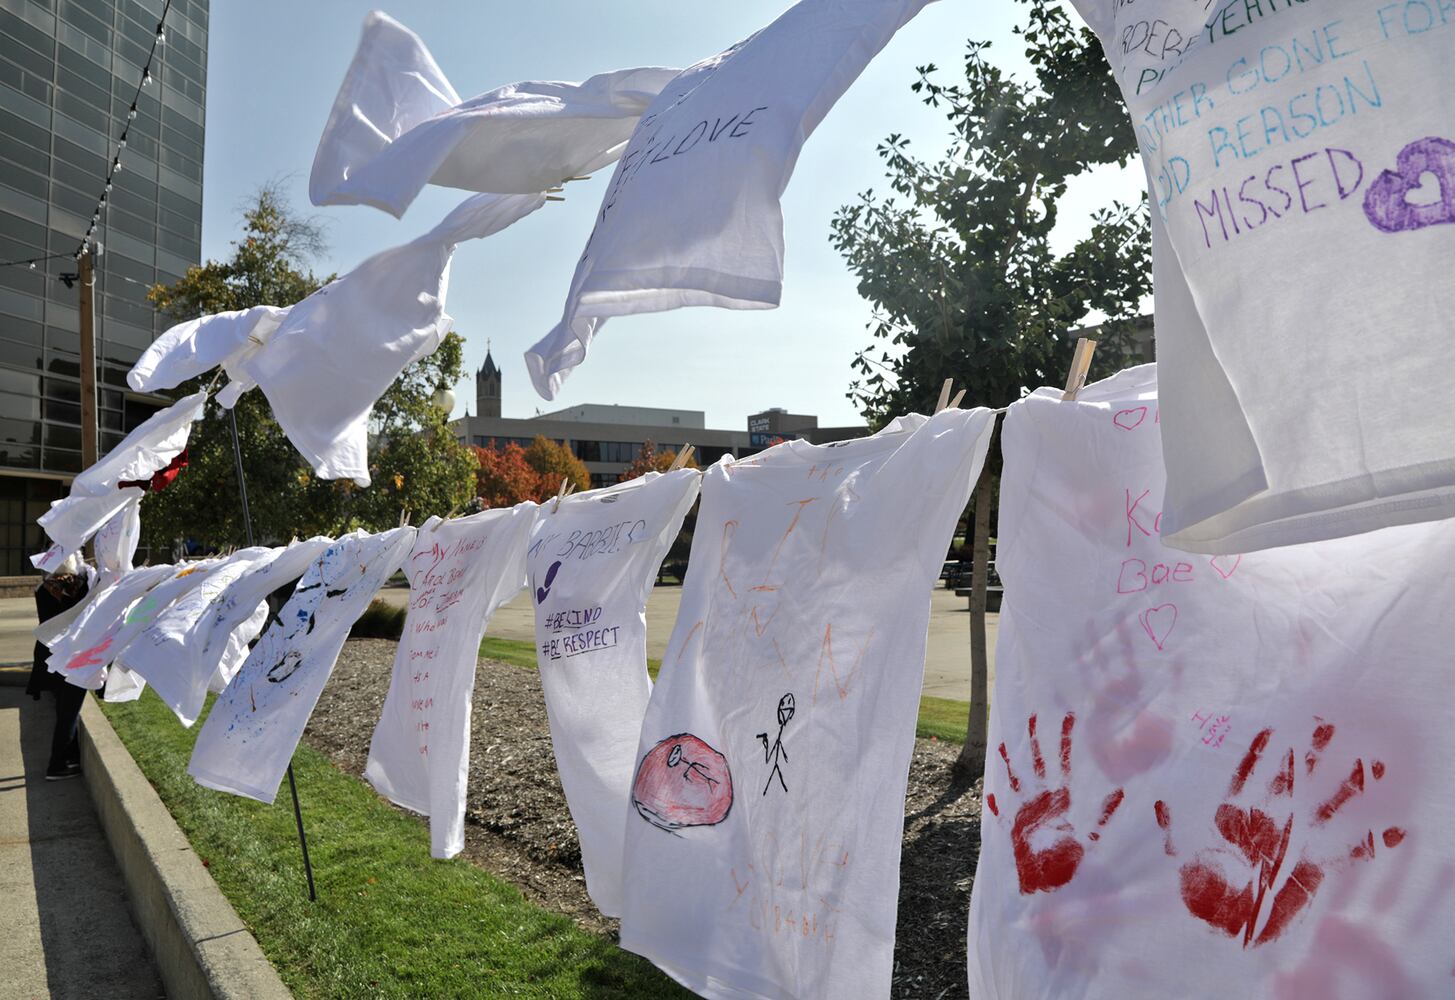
x=683 y=782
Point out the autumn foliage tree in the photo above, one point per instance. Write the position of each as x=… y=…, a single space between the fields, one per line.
x=652 y=459
x=511 y=474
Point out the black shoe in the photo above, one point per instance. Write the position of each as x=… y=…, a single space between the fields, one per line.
x=61 y=774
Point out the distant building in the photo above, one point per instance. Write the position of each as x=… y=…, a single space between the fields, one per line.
x=68 y=74
x=608 y=437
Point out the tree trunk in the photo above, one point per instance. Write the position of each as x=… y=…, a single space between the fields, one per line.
x=971 y=762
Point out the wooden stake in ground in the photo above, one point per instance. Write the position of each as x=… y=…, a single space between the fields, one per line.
x=971 y=762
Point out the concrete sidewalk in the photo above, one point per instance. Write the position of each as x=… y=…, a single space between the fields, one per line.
x=64 y=920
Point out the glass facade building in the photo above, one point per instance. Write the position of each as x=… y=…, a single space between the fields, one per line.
x=68 y=73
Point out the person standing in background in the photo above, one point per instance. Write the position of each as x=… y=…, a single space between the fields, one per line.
x=60 y=591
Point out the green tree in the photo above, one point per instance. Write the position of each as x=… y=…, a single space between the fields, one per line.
x=414 y=461
x=958 y=265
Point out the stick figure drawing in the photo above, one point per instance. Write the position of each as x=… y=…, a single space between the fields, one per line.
x=776 y=753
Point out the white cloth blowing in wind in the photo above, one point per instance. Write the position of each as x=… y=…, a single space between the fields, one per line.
x=1301 y=171
x=97 y=495
x=325 y=361
x=397 y=125
x=692 y=215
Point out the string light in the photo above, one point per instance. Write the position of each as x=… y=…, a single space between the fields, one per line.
x=131 y=113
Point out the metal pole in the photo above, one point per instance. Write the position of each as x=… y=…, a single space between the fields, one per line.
x=88 y=356
x=242 y=488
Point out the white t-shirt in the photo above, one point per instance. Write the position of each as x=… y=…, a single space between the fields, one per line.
x=249 y=737
x=767 y=808
x=592 y=566
x=1216 y=776
x=197 y=346
x=181 y=652
x=692 y=216
x=91 y=642
x=115 y=543
x=338 y=350
x=96 y=495
x=397 y=125
x=459 y=573
x=121 y=683
x=1286 y=144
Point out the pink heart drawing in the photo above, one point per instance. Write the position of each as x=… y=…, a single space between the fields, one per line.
x=1157 y=622
x=1230 y=564
x=1130 y=419
x=1388 y=204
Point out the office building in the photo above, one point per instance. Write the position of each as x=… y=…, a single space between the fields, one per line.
x=68 y=73
x=608 y=437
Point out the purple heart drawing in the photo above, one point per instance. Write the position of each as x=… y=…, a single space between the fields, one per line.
x=1387 y=203
x=543 y=592
x=1157 y=622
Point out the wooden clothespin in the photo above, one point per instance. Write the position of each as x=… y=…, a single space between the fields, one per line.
x=403 y=516
x=555 y=197
x=944 y=394
x=955 y=403
x=213 y=384
x=554 y=190
x=1080 y=363
x=681 y=460
x=566 y=490
x=568 y=180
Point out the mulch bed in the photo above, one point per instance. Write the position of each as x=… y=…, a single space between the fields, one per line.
x=518 y=827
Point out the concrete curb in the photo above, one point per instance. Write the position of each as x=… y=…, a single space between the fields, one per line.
x=199 y=944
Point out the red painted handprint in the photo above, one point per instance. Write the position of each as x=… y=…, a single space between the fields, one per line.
x=1044 y=866
x=1258 y=843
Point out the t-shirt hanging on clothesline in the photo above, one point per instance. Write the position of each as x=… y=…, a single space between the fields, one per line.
x=459 y=573
x=397 y=125
x=1303 y=185
x=121 y=683
x=197 y=346
x=1211 y=776
x=98 y=494
x=92 y=640
x=592 y=566
x=340 y=349
x=767 y=807
x=115 y=543
x=692 y=215
x=249 y=737
x=181 y=652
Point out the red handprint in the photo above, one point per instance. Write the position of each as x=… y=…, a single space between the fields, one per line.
x=1044 y=868
x=1260 y=844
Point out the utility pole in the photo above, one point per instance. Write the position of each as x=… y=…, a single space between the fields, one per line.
x=88 y=357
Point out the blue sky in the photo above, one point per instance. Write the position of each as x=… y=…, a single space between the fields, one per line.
x=275 y=67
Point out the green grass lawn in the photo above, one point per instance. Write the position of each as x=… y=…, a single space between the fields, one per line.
x=942 y=718
x=389 y=921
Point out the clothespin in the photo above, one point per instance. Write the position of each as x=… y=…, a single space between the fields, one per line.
x=955 y=403
x=568 y=180
x=565 y=491
x=555 y=197
x=403 y=516
x=1080 y=363
x=681 y=460
x=944 y=394
x=213 y=384
x=453 y=511
x=554 y=190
